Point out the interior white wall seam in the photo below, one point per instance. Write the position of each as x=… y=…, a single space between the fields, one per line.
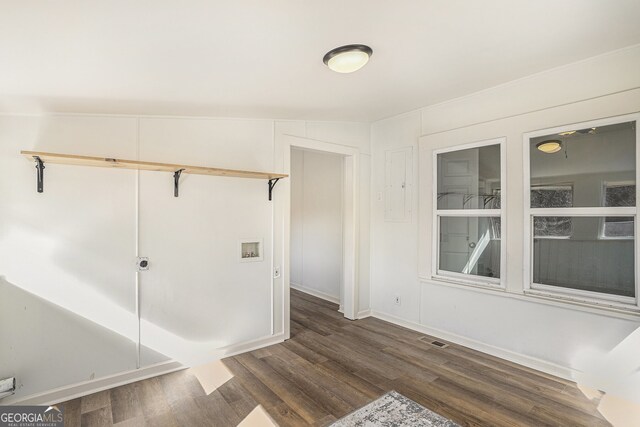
x=137 y=242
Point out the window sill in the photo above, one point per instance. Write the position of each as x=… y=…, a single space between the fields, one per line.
x=609 y=305
x=468 y=283
x=616 y=311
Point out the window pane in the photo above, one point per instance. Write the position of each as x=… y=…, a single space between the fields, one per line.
x=617 y=227
x=470 y=245
x=586 y=160
x=584 y=261
x=555 y=227
x=552 y=197
x=619 y=194
x=469 y=179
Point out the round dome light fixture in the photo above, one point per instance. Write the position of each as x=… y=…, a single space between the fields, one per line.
x=549 y=146
x=347 y=59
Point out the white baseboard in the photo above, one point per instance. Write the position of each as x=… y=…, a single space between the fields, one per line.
x=314 y=293
x=361 y=314
x=255 y=344
x=364 y=313
x=85 y=388
x=528 y=361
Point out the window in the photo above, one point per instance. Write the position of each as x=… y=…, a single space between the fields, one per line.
x=468 y=211
x=581 y=212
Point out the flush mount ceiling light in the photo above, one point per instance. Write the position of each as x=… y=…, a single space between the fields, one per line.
x=589 y=131
x=347 y=59
x=550 y=146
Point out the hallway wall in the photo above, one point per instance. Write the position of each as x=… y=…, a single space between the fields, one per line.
x=316 y=223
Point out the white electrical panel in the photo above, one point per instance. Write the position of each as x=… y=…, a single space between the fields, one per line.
x=398 y=182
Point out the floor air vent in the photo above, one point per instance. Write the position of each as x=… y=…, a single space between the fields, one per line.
x=434 y=343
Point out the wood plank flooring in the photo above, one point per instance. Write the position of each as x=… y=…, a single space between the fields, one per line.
x=332 y=366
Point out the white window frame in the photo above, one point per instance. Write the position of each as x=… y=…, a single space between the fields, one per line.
x=567 y=294
x=460 y=278
x=606 y=184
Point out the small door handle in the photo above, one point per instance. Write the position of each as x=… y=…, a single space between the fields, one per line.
x=472 y=245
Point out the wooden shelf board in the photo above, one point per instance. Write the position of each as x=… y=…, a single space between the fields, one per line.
x=105 y=162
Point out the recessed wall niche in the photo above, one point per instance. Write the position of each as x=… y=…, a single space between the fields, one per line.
x=251 y=250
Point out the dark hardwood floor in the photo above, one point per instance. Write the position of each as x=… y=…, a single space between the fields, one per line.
x=332 y=366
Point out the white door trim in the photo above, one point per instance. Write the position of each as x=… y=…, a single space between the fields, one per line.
x=351 y=220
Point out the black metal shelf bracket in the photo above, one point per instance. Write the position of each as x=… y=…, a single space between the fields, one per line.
x=176 y=182
x=40 y=174
x=272 y=183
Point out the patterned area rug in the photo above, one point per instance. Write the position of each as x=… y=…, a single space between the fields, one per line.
x=392 y=410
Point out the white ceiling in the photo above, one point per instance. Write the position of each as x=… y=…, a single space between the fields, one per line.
x=259 y=58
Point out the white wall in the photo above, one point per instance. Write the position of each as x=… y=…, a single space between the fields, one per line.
x=67 y=256
x=197 y=289
x=394 y=245
x=68 y=288
x=594 y=346
x=316 y=223
x=297 y=214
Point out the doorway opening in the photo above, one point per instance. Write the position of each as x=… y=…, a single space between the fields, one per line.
x=316 y=224
x=321 y=231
